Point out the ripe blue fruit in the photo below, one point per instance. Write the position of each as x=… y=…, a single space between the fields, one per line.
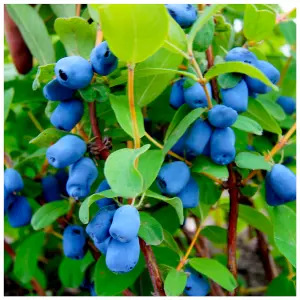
x=198 y=137
x=51 y=190
x=288 y=104
x=74 y=72
x=102 y=247
x=236 y=97
x=92 y=290
x=104 y=186
x=54 y=91
x=272 y=198
x=195 y=95
x=222 y=146
x=122 y=257
x=173 y=177
x=19 y=212
x=177 y=94
x=74 y=242
x=82 y=175
x=179 y=147
x=67 y=114
x=189 y=195
x=8 y=199
x=62 y=177
x=13 y=181
x=125 y=224
x=222 y=116
x=184 y=14
x=103 y=60
x=98 y=227
x=241 y=54
x=196 y=285
x=66 y=151
x=283 y=182
x=257 y=86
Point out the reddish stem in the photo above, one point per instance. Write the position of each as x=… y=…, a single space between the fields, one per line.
x=153 y=269
x=104 y=152
x=129 y=293
x=210 y=61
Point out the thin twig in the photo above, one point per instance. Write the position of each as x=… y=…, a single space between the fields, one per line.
x=8 y=161
x=78 y=8
x=253 y=290
x=214 y=86
x=35 y=121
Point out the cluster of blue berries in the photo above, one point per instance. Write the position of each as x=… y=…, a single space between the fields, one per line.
x=16 y=206
x=184 y=14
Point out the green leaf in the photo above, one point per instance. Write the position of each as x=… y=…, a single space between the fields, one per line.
x=215 y=234
x=134 y=31
x=248 y=125
x=64 y=10
x=252 y=161
x=175 y=202
x=273 y=109
x=108 y=283
x=204 y=165
x=121 y=174
x=44 y=75
x=258 y=113
x=77 y=35
x=229 y=80
x=150 y=230
x=238 y=67
x=215 y=271
x=204 y=36
x=8 y=98
x=258 y=24
x=149 y=165
x=40 y=153
x=284 y=222
x=48 y=137
x=253 y=217
x=182 y=127
x=95 y=92
x=84 y=213
x=202 y=20
x=175 y=283
x=281 y=286
x=48 y=213
x=70 y=273
x=288 y=29
x=27 y=254
x=120 y=106
x=181 y=112
x=170 y=242
x=34 y=32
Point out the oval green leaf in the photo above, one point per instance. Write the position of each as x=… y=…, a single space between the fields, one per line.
x=252 y=161
x=175 y=283
x=246 y=124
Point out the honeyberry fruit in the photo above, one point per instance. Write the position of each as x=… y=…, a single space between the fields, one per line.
x=195 y=95
x=66 y=151
x=13 y=181
x=283 y=182
x=102 y=247
x=189 y=195
x=51 y=190
x=19 y=212
x=173 y=177
x=272 y=198
x=236 y=97
x=8 y=199
x=103 y=186
x=222 y=116
x=62 y=177
x=177 y=94
x=125 y=224
x=82 y=175
x=179 y=147
x=198 y=137
x=98 y=227
x=241 y=54
x=222 y=146
x=74 y=72
x=257 y=86
x=74 y=242
x=92 y=290
x=122 y=257
x=288 y=104
x=54 y=91
x=184 y=14
x=67 y=114
x=103 y=60
x=196 y=285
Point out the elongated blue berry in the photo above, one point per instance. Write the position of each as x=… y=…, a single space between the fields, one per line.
x=103 y=186
x=13 y=181
x=8 y=199
x=177 y=94
x=102 y=247
x=19 y=212
x=62 y=177
x=195 y=95
x=241 y=54
x=189 y=195
x=222 y=116
x=54 y=91
x=272 y=198
x=196 y=285
x=288 y=104
x=184 y=14
x=51 y=190
x=66 y=151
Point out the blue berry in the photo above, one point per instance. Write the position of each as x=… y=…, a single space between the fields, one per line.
x=19 y=212
x=179 y=147
x=74 y=72
x=13 y=181
x=62 y=177
x=196 y=285
x=102 y=247
x=189 y=195
x=222 y=116
x=184 y=14
x=54 y=91
x=241 y=54
x=103 y=186
x=51 y=190
x=177 y=94
x=66 y=151
x=288 y=104
x=67 y=114
x=8 y=199
x=272 y=198
x=195 y=95
x=82 y=175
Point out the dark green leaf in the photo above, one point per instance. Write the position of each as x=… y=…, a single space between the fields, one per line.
x=64 y=10
x=204 y=36
x=170 y=242
x=281 y=286
x=175 y=283
x=229 y=80
x=289 y=31
x=252 y=161
x=215 y=234
x=273 y=109
x=95 y=92
x=8 y=98
x=248 y=125
x=44 y=75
